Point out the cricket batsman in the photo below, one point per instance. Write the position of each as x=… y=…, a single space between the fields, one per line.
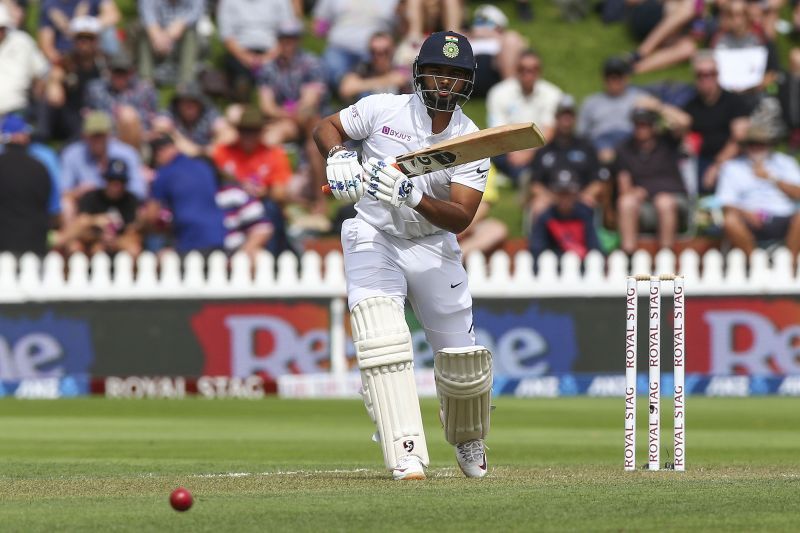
x=402 y=244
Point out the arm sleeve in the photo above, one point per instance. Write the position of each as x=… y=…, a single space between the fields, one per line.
x=69 y=175
x=137 y=184
x=39 y=65
x=790 y=170
x=54 y=202
x=473 y=175
x=147 y=13
x=358 y=120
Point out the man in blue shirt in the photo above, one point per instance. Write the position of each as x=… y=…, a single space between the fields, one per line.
x=83 y=162
x=187 y=188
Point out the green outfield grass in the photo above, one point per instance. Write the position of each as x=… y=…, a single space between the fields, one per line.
x=94 y=464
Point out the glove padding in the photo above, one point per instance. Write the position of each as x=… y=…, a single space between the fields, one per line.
x=345 y=176
x=388 y=184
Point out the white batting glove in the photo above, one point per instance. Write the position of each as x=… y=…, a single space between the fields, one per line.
x=345 y=176
x=389 y=185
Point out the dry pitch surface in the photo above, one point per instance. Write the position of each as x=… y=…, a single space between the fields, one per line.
x=100 y=465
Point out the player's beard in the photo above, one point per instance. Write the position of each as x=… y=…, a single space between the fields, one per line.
x=431 y=98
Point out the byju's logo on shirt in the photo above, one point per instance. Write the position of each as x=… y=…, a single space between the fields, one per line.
x=386 y=130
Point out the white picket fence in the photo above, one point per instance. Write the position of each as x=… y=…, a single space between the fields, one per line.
x=101 y=277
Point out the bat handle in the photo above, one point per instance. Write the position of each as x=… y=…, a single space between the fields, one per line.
x=326 y=189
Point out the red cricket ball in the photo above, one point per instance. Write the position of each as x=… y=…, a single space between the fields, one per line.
x=180 y=499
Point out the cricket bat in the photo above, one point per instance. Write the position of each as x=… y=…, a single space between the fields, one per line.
x=467 y=148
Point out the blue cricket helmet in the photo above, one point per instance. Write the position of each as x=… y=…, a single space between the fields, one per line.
x=450 y=49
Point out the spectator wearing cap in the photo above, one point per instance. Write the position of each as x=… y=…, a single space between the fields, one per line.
x=106 y=216
x=377 y=75
x=571 y=151
x=170 y=37
x=523 y=98
x=17 y=9
x=249 y=32
x=604 y=117
x=54 y=33
x=567 y=225
x=263 y=170
x=21 y=65
x=292 y=94
x=496 y=48
x=14 y=126
x=652 y=194
x=84 y=162
x=132 y=102
x=189 y=189
x=348 y=26
x=759 y=192
x=29 y=204
x=59 y=115
x=719 y=121
x=191 y=120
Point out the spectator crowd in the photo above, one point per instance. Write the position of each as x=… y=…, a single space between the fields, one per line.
x=189 y=127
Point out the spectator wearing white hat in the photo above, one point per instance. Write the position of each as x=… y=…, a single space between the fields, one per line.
x=59 y=114
x=524 y=98
x=54 y=33
x=496 y=47
x=21 y=65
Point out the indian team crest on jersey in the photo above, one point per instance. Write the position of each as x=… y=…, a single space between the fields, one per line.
x=450 y=46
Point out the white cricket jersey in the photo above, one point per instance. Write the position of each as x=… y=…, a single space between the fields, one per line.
x=391 y=125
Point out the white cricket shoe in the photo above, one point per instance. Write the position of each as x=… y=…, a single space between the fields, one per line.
x=408 y=467
x=471 y=457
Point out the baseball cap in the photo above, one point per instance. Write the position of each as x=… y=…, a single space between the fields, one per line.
x=96 y=122
x=85 y=25
x=616 y=66
x=566 y=104
x=14 y=124
x=565 y=181
x=290 y=28
x=487 y=15
x=447 y=48
x=117 y=170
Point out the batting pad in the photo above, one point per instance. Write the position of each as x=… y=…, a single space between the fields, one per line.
x=386 y=360
x=464 y=385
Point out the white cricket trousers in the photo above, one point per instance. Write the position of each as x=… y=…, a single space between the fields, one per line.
x=426 y=270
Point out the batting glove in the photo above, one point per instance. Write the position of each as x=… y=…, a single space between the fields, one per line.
x=389 y=185
x=344 y=176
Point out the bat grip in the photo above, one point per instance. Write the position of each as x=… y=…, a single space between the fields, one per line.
x=326 y=189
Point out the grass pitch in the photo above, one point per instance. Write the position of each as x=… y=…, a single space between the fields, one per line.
x=99 y=465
